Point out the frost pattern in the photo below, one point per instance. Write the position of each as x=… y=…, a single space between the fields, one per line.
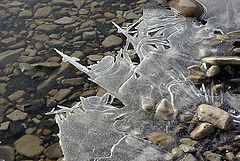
x=166 y=44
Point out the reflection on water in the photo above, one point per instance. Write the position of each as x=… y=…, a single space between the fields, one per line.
x=32 y=77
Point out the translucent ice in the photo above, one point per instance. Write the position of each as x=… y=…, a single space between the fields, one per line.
x=166 y=44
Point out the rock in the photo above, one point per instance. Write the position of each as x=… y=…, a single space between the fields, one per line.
x=238 y=156
x=213 y=71
x=185 y=117
x=160 y=138
x=4 y=126
x=62 y=93
x=9 y=41
x=62 y=2
x=197 y=77
x=177 y=152
x=16 y=128
x=29 y=59
x=46 y=65
x=218 y=117
x=43 y=12
x=217 y=88
x=47 y=28
x=230 y=156
x=31 y=104
x=95 y=57
x=130 y=15
x=9 y=56
x=16 y=95
x=64 y=21
x=147 y=104
x=56 y=43
x=89 y=93
x=53 y=152
x=16 y=3
x=187 y=8
x=25 y=14
x=29 y=146
x=72 y=81
x=202 y=131
x=17 y=45
x=189 y=157
x=3 y=102
x=222 y=60
x=17 y=115
x=187 y=148
x=188 y=141
x=111 y=41
x=164 y=110
x=109 y=15
x=7 y=153
x=78 y=3
x=14 y=11
x=83 y=11
x=26 y=68
x=89 y=35
x=212 y=156
x=3 y=87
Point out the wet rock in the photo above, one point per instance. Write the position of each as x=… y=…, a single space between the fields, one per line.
x=188 y=141
x=111 y=41
x=212 y=156
x=83 y=11
x=4 y=125
x=72 y=81
x=95 y=57
x=47 y=28
x=109 y=15
x=9 y=56
x=78 y=3
x=177 y=152
x=187 y=148
x=160 y=138
x=14 y=11
x=189 y=157
x=130 y=15
x=43 y=12
x=89 y=35
x=147 y=104
x=17 y=115
x=213 y=71
x=53 y=152
x=222 y=60
x=202 y=131
x=29 y=59
x=9 y=41
x=185 y=117
x=64 y=21
x=16 y=128
x=187 y=8
x=31 y=104
x=164 y=110
x=218 y=117
x=3 y=102
x=16 y=3
x=16 y=95
x=197 y=77
x=230 y=156
x=25 y=14
x=3 y=87
x=29 y=146
x=62 y=2
x=89 y=93
x=17 y=45
x=7 y=153
x=46 y=65
x=26 y=68
x=62 y=93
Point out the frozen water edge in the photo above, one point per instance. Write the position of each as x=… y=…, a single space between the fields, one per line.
x=166 y=44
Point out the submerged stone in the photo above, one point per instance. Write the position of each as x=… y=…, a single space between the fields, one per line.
x=222 y=60
x=164 y=110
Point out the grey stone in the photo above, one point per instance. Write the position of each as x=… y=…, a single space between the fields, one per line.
x=7 y=153
x=189 y=157
x=53 y=152
x=62 y=93
x=222 y=60
x=3 y=14
x=47 y=27
x=89 y=35
x=213 y=71
x=62 y=2
x=111 y=41
x=16 y=3
x=78 y=3
x=16 y=95
x=26 y=68
x=147 y=104
x=72 y=81
x=187 y=148
x=216 y=116
x=4 y=126
x=9 y=40
x=14 y=11
x=164 y=110
x=55 y=43
x=3 y=87
x=29 y=146
x=202 y=131
x=43 y=12
x=17 y=115
x=9 y=57
x=64 y=21
x=95 y=57
x=177 y=152
x=25 y=13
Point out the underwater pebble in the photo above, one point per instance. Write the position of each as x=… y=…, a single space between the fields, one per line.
x=6 y=153
x=202 y=131
x=147 y=104
x=187 y=148
x=212 y=156
x=189 y=157
x=111 y=41
x=160 y=138
x=213 y=71
x=64 y=21
x=16 y=95
x=222 y=60
x=53 y=151
x=164 y=110
x=17 y=115
x=197 y=77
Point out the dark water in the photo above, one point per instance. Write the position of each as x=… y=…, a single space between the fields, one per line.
x=25 y=41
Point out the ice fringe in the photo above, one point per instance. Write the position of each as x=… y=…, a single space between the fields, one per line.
x=166 y=44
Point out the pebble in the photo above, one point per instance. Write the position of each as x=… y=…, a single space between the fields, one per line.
x=47 y=28
x=212 y=156
x=109 y=15
x=29 y=59
x=26 y=68
x=202 y=131
x=17 y=45
x=189 y=157
x=16 y=3
x=9 y=56
x=29 y=146
x=16 y=95
x=78 y=3
x=213 y=71
x=3 y=88
x=95 y=57
x=222 y=60
x=147 y=104
x=14 y=11
x=164 y=110
x=64 y=21
x=43 y=12
x=25 y=14
x=216 y=116
x=6 y=153
x=83 y=11
x=17 y=115
x=89 y=35
x=160 y=138
x=16 y=128
x=111 y=41
x=4 y=125
x=177 y=152
x=62 y=2
x=62 y=93
x=46 y=65
x=53 y=152
x=9 y=41
x=187 y=148
x=187 y=8
x=72 y=81
x=197 y=77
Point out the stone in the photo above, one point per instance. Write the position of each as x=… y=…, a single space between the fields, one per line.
x=202 y=131
x=64 y=21
x=213 y=71
x=187 y=148
x=16 y=128
x=212 y=156
x=230 y=156
x=9 y=41
x=187 y=8
x=111 y=41
x=29 y=59
x=43 y=12
x=222 y=60
x=31 y=104
x=147 y=104
x=25 y=14
x=185 y=117
x=4 y=125
x=46 y=65
x=9 y=56
x=26 y=68
x=16 y=3
x=47 y=28
x=62 y=93
x=188 y=141
x=197 y=77
x=177 y=152
x=130 y=15
x=78 y=3
x=17 y=115
x=53 y=152
x=29 y=146
x=83 y=11
x=7 y=153
x=62 y=2
x=3 y=87
x=238 y=156
x=164 y=110
x=3 y=102
x=14 y=11
x=89 y=35
x=160 y=138
x=189 y=157
x=17 y=45
x=95 y=57
x=109 y=15
x=16 y=95
x=216 y=116
x=88 y=93
x=72 y=81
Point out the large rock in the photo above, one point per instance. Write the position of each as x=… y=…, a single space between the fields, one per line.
x=29 y=146
x=111 y=41
x=43 y=12
x=216 y=116
x=7 y=153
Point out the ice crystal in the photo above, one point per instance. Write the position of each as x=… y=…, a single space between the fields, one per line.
x=166 y=43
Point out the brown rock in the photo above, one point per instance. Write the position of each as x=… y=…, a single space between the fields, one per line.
x=164 y=110
x=53 y=152
x=202 y=131
x=222 y=60
x=160 y=138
